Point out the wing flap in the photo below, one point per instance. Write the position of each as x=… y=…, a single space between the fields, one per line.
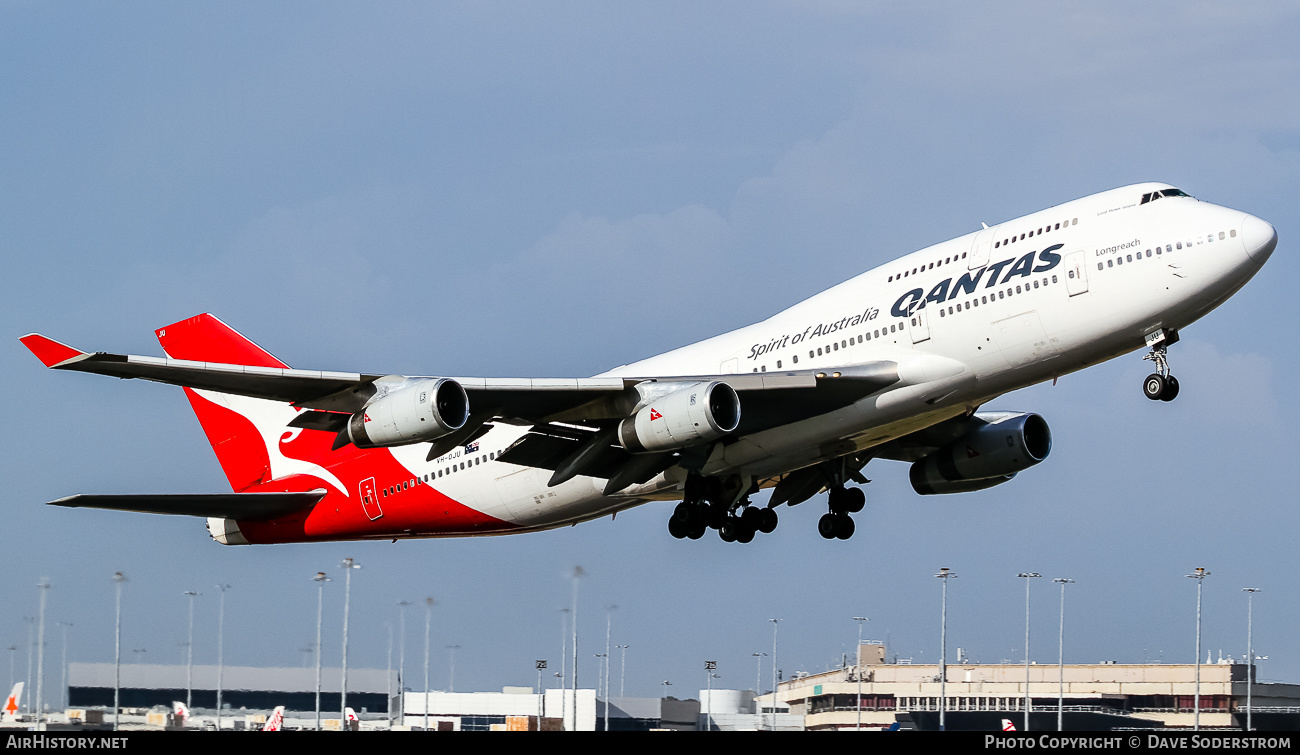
x=246 y=506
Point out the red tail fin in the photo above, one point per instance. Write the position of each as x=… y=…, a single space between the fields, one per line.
x=241 y=449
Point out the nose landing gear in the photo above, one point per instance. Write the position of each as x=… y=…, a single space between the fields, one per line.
x=1160 y=385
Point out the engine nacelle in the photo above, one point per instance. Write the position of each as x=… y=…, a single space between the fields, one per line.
x=1001 y=444
x=417 y=412
x=694 y=413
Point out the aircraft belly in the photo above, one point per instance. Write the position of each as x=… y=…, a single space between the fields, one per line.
x=868 y=422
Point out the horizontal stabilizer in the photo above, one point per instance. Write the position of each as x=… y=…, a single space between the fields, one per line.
x=247 y=506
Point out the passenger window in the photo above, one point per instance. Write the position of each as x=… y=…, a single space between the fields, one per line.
x=1220 y=235
x=1054 y=277
x=1233 y=233
x=1110 y=263
x=795 y=358
x=1180 y=245
x=1130 y=258
x=942 y=313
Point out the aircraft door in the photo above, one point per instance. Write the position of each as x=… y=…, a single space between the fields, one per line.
x=1076 y=273
x=370 y=499
x=979 y=249
x=919 y=325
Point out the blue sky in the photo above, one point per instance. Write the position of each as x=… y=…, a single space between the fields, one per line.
x=501 y=188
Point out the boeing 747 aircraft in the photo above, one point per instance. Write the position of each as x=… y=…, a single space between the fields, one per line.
x=894 y=364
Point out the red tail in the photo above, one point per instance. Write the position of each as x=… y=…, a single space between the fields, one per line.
x=240 y=448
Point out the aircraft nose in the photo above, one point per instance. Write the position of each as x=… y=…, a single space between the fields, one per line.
x=1259 y=238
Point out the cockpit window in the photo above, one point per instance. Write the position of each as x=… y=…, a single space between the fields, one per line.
x=1151 y=197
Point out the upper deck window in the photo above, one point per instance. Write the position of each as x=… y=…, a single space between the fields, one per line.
x=1164 y=193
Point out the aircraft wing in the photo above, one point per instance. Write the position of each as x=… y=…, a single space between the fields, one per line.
x=771 y=398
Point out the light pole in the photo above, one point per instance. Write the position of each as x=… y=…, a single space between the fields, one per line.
x=189 y=654
x=1199 y=575
x=709 y=668
x=1028 y=575
x=564 y=661
x=944 y=575
x=1060 y=659
x=221 y=648
x=44 y=587
x=622 y=669
x=758 y=675
x=428 y=618
x=578 y=573
x=348 y=565
x=118 y=579
x=1250 y=650
x=63 y=683
x=609 y=618
x=320 y=579
x=541 y=666
x=602 y=673
x=858 y=667
x=775 y=624
x=401 y=659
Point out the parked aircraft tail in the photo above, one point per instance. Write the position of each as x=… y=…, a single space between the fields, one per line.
x=10 y=711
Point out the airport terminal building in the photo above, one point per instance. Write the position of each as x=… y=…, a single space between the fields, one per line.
x=875 y=695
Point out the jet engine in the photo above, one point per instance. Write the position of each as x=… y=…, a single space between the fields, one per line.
x=416 y=412
x=681 y=417
x=998 y=445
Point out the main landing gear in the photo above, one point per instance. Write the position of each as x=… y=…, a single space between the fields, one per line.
x=1160 y=385
x=837 y=523
x=722 y=505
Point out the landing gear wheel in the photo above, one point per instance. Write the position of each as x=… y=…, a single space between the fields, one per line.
x=767 y=521
x=828 y=526
x=1171 y=389
x=844 y=527
x=727 y=532
x=1154 y=386
x=677 y=528
x=854 y=500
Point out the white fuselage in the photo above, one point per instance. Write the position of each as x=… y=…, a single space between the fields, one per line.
x=966 y=320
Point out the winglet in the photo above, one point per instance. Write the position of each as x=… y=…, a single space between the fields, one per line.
x=49 y=351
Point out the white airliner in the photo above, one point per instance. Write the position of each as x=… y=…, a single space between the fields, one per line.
x=895 y=363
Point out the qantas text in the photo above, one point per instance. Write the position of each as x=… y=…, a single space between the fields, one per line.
x=945 y=289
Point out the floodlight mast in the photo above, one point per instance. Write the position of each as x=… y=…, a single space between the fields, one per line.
x=1060 y=692
x=1199 y=575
